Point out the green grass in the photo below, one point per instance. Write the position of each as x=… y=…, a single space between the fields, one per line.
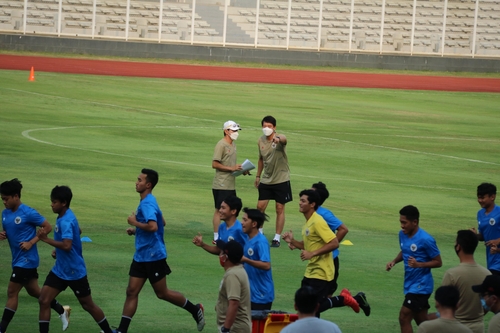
x=377 y=150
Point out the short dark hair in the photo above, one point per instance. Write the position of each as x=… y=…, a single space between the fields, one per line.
x=306 y=300
x=151 y=177
x=234 y=251
x=467 y=240
x=11 y=187
x=320 y=187
x=411 y=212
x=256 y=216
x=234 y=203
x=447 y=296
x=312 y=197
x=486 y=188
x=268 y=119
x=62 y=194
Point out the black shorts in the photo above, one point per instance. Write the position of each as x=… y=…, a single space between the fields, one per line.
x=23 y=275
x=259 y=306
x=281 y=193
x=335 y=285
x=494 y=272
x=321 y=287
x=81 y=287
x=220 y=195
x=152 y=270
x=417 y=302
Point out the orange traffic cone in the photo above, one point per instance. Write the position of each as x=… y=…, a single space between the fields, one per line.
x=32 y=74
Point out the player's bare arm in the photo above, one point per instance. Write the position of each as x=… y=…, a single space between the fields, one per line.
x=256 y=263
x=328 y=247
x=341 y=232
x=391 y=264
x=435 y=262
x=151 y=226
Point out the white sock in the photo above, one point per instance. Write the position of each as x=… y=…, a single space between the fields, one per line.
x=277 y=237
x=216 y=235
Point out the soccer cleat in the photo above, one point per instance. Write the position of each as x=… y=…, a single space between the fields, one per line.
x=65 y=317
x=349 y=300
x=363 y=303
x=275 y=243
x=200 y=317
x=112 y=331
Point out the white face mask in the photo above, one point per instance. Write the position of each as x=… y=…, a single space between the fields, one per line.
x=234 y=136
x=267 y=131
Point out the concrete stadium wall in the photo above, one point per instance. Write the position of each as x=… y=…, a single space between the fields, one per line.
x=16 y=42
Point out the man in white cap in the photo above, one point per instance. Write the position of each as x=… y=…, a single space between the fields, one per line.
x=224 y=163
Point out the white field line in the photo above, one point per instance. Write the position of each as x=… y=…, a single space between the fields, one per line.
x=26 y=134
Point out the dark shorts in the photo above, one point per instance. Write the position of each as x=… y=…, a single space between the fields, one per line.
x=494 y=272
x=81 y=287
x=23 y=275
x=417 y=302
x=321 y=287
x=335 y=285
x=281 y=193
x=152 y=270
x=220 y=195
x=258 y=306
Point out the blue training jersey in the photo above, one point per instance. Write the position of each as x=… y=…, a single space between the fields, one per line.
x=235 y=232
x=423 y=248
x=149 y=246
x=261 y=281
x=20 y=226
x=489 y=227
x=69 y=264
x=333 y=222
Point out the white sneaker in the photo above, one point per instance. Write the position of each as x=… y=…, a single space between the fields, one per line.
x=65 y=317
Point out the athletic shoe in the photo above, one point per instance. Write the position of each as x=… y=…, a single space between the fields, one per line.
x=65 y=317
x=275 y=243
x=112 y=331
x=200 y=317
x=349 y=300
x=363 y=303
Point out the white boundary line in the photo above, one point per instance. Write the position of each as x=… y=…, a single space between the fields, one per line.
x=26 y=134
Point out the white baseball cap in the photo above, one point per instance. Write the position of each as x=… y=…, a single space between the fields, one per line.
x=231 y=125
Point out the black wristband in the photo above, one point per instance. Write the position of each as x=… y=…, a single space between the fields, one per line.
x=224 y=330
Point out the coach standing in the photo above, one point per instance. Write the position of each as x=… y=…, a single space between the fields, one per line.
x=273 y=174
x=224 y=163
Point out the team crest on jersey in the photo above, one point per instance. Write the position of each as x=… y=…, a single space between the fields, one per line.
x=307 y=232
x=413 y=247
x=18 y=220
x=492 y=221
x=250 y=252
x=230 y=238
x=56 y=228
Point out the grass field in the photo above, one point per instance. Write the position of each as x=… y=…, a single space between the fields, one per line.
x=377 y=150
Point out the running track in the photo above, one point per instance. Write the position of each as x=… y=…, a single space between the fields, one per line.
x=255 y=75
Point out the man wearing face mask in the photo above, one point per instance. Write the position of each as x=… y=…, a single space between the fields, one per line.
x=490 y=292
x=224 y=163
x=273 y=174
x=469 y=311
x=233 y=305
